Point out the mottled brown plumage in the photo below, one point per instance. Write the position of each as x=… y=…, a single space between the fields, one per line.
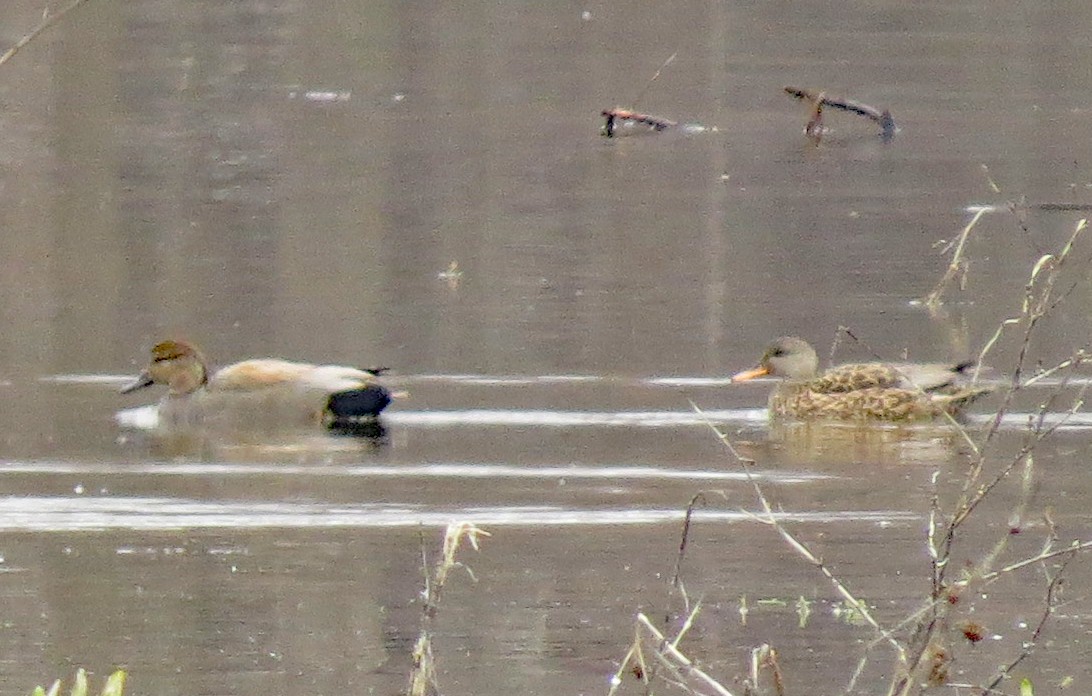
x=866 y=391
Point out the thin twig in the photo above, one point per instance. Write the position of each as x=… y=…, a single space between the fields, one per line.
x=683 y=540
x=47 y=21
x=655 y=76
x=1048 y=611
x=681 y=659
x=770 y=519
x=956 y=265
x=616 y=680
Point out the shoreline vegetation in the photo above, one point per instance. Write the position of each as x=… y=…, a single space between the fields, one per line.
x=923 y=646
x=114 y=685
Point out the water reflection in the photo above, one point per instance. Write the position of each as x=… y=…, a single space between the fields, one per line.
x=819 y=445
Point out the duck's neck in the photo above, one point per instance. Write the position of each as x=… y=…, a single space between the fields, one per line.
x=188 y=379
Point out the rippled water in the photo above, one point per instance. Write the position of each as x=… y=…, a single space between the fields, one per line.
x=426 y=187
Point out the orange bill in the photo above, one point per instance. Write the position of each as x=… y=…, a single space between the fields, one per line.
x=750 y=374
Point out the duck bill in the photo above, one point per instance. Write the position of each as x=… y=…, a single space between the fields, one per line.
x=750 y=374
x=143 y=380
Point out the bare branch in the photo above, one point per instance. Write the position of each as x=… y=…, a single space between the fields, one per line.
x=47 y=21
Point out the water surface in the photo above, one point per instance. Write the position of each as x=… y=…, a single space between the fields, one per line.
x=292 y=179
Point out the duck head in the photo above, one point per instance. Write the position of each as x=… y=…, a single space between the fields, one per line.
x=787 y=357
x=176 y=364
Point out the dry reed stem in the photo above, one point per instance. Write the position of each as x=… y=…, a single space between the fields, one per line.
x=422 y=680
x=687 y=625
x=635 y=653
x=765 y=657
x=684 y=540
x=1048 y=611
x=48 y=20
x=682 y=661
x=655 y=76
x=1041 y=297
x=676 y=582
x=668 y=657
x=1043 y=556
x=933 y=618
x=634 y=648
x=956 y=266
x=1038 y=300
x=770 y=519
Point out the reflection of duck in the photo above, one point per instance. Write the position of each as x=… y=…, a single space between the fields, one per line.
x=258 y=393
x=867 y=391
x=837 y=447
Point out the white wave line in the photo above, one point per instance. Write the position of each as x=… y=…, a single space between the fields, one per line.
x=436 y=470
x=84 y=513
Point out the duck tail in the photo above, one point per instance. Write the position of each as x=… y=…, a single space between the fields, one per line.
x=358 y=404
x=960 y=368
x=961 y=397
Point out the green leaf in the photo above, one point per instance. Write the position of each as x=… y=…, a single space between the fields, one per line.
x=80 y=687
x=115 y=684
x=1025 y=687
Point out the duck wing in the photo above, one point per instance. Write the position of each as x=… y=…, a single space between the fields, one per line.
x=850 y=378
x=933 y=377
x=252 y=375
x=927 y=377
x=336 y=378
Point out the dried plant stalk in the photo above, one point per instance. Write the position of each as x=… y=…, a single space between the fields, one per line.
x=48 y=20
x=422 y=680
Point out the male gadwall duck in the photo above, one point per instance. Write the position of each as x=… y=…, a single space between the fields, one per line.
x=866 y=391
x=258 y=393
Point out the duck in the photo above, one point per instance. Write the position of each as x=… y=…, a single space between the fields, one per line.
x=864 y=391
x=263 y=392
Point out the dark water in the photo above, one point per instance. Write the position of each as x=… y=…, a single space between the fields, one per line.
x=292 y=179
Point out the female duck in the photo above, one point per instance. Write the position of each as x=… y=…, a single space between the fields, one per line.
x=868 y=391
x=258 y=393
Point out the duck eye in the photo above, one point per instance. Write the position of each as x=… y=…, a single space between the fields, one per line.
x=778 y=352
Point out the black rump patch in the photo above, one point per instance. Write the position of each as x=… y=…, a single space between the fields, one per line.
x=355 y=404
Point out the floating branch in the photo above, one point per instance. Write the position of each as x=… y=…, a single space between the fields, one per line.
x=814 y=127
x=618 y=114
x=820 y=100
